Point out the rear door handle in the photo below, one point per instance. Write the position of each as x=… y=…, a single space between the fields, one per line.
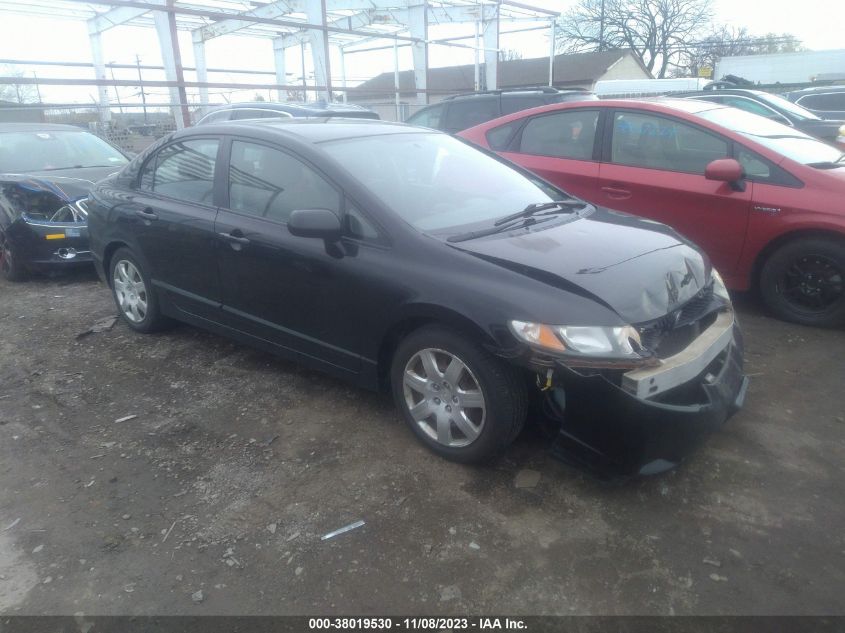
x=616 y=193
x=146 y=213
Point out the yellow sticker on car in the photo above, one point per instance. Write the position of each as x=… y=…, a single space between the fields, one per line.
x=55 y=236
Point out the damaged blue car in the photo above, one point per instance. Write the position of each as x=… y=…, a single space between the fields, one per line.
x=46 y=172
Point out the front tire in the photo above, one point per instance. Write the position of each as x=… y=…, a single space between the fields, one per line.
x=11 y=266
x=804 y=282
x=133 y=293
x=462 y=402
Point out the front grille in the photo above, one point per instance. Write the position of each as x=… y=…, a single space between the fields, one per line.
x=673 y=332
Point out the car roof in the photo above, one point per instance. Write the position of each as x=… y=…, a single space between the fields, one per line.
x=284 y=106
x=315 y=130
x=39 y=127
x=817 y=89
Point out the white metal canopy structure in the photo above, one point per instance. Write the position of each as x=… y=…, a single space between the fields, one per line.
x=315 y=24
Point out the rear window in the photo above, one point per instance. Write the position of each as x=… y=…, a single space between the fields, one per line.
x=499 y=138
x=468 y=113
x=831 y=101
x=515 y=103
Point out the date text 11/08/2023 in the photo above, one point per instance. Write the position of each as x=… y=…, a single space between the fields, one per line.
x=417 y=624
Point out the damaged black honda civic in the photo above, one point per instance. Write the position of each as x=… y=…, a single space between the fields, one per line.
x=406 y=260
x=45 y=173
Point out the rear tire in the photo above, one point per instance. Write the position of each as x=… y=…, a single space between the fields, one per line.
x=804 y=282
x=462 y=402
x=133 y=293
x=11 y=266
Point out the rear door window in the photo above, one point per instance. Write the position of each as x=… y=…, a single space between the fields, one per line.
x=568 y=134
x=427 y=117
x=466 y=113
x=645 y=140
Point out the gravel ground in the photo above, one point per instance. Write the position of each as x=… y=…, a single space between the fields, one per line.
x=212 y=499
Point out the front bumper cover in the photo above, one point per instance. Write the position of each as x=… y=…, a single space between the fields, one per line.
x=625 y=427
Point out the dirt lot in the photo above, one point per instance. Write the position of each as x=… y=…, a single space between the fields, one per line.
x=237 y=463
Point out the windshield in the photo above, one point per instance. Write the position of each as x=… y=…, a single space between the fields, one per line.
x=22 y=152
x=794 y=109
x=435 y=182
x=781 y=138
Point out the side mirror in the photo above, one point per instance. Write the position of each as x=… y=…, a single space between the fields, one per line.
x=726 y=170
x=320 y=223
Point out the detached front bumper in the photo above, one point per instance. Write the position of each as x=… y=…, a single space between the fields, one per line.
x=648 y=421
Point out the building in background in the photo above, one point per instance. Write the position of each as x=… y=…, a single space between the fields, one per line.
x=581 y=70
x=785 y=68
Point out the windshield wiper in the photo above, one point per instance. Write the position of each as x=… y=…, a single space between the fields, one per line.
x=532 y=209
x=828 y=164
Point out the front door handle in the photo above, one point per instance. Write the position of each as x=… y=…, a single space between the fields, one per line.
x=236 y=241
x=147 y=213
x=616 y=193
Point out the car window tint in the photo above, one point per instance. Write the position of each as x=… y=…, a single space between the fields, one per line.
x=185 y=170
x=269 y=183
x=515 y=103
x=215 y=117
x=467 y=113
x=755 y=108
x=568 y=134
x=427 y=117
x=832 y=101
x=500 y=137
x=643 y=140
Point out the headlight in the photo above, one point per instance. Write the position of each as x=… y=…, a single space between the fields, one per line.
x=719 y=288
x=587 y=342
x=842 y=130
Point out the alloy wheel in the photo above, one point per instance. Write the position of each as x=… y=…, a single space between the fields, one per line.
x=812 y=283
x=444 y=398
x=130 y=291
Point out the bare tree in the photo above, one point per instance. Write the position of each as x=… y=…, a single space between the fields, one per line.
x=656 y=31
x=509 y=54
x=16 y=93
x=726 y=41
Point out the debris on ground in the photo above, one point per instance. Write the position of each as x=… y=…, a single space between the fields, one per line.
x=126 y=418
x=527 y=478
x=474 y=545
x=197 y=596
x=718 y=578
x=167 y=533
x=38 y=548
x=100 y=326
x=345 y=528
x=12 y=524
x=450 y=592
x=271 y=528
x=712 y=561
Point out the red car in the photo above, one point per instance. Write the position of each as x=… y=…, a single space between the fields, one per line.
x=766 y=202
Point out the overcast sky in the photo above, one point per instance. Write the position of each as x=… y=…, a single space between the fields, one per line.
x=819 y=24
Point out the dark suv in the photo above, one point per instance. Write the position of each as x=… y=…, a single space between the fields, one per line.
x=827 y=102
x=772 y=107
x=460 y=112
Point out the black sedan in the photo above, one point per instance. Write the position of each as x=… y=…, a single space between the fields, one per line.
x=45 y=174
x=773 y=107
x=404 y=259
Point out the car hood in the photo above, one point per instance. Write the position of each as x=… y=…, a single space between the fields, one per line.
x=67 y=184
x=640 y=269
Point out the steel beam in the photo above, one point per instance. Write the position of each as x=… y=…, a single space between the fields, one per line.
x=201 y=68
x=96 y=41
x=114 y=17
x=319 y=40
x=490 y=34
x=168 y=57
x=418 y=24
x=281 y=73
